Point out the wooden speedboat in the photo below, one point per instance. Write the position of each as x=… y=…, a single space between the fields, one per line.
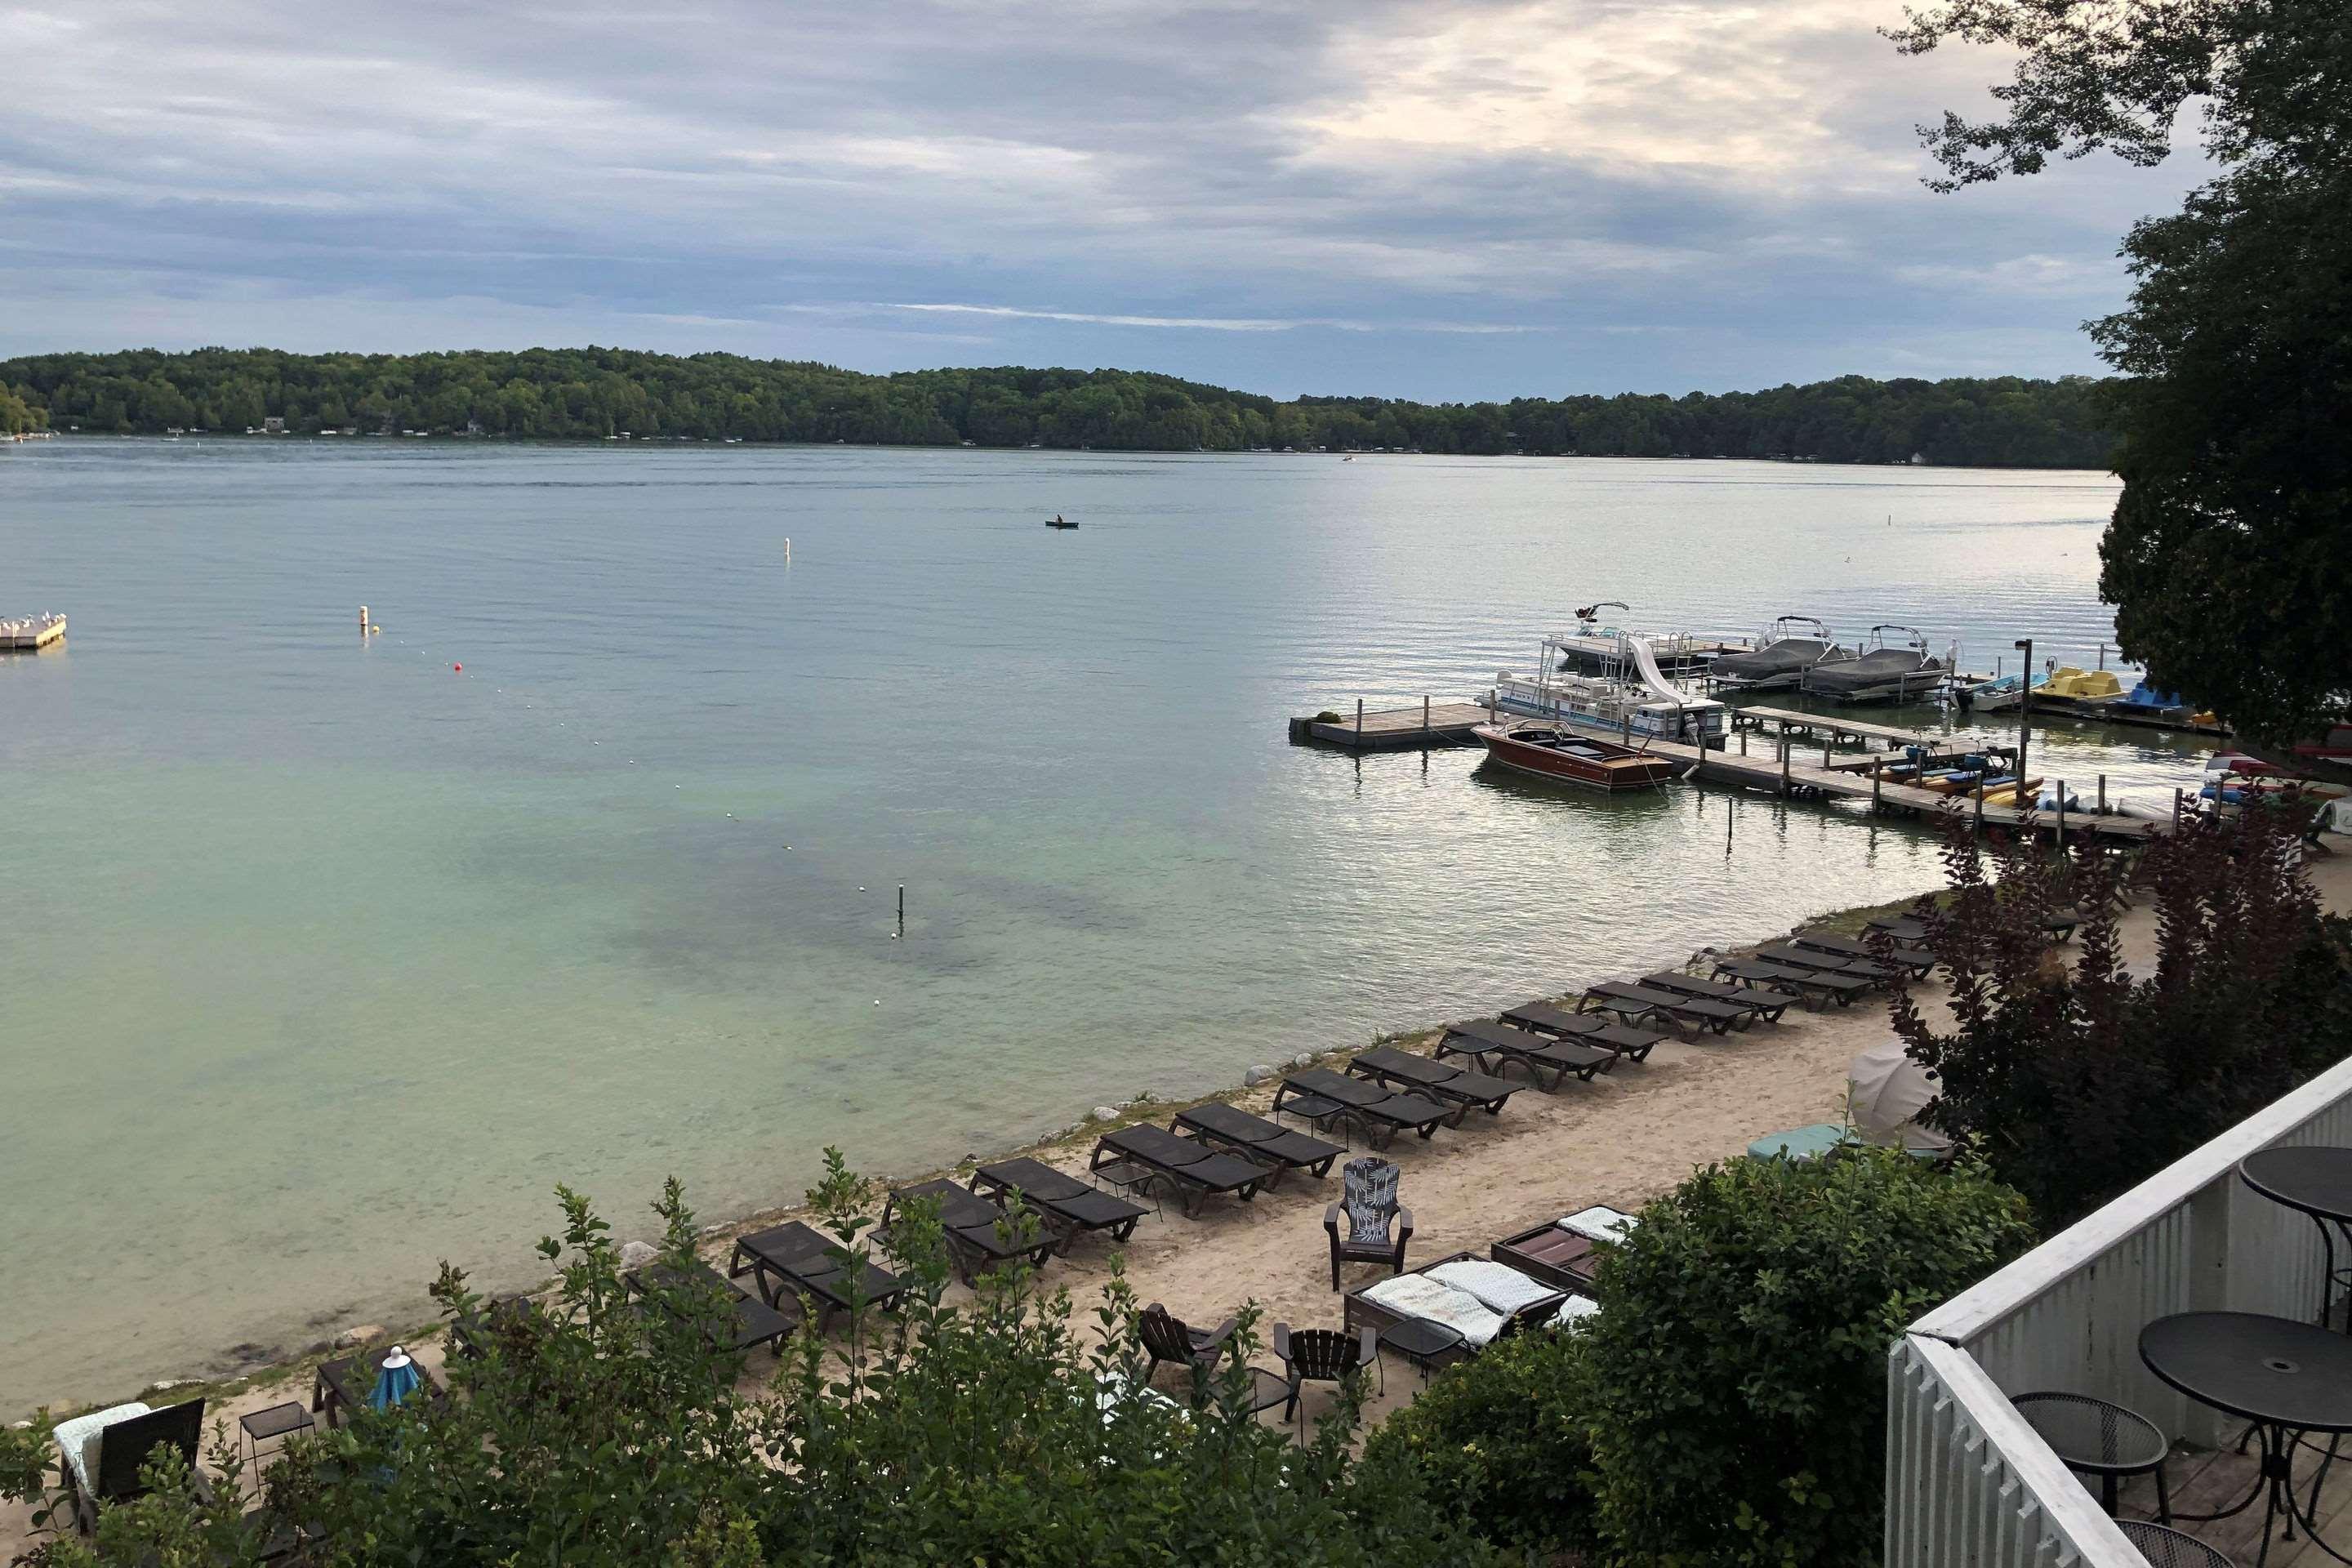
x=1551 y=751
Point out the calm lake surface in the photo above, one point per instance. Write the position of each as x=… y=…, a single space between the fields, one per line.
x=327 y=961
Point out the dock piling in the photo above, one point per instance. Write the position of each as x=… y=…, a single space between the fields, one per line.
x=1877 y=784
x=902 y=909
x=1360 y=721
x=1825 y=753
x=1424 y=718
x=2103 y=795
x=2062 y=815
x=1743 y=739
x=1784 y=766
x=1979 y=823
x=2176 y=808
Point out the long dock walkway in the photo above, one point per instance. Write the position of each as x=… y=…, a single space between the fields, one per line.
x=1779 y=771
x=1795 y=722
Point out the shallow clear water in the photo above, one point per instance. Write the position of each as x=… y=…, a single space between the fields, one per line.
x=328 y=962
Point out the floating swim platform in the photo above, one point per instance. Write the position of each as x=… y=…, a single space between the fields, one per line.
x=30 y=634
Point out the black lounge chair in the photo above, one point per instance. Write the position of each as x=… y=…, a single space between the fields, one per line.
x=979 y=1234
x=1321 y=1355
x=1457 y=1086
x=1904 y=930
x=1689 y=1011
x=1918 y=960
x=1068 y=1204
x=1321 y=1097
x=1820 y=984
x=755 y=1322
x=1796 y=957
x=1551 y=1018
x=1478 y=1039
x=107 y=1470
x=1167 y=1338
x=1138 y=1156
x=1256 y=1138
x=798 y=1257
x=1766 y=1006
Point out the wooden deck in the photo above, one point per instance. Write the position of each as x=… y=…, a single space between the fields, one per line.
x=1773 y=772
x=2203 y=1482
x=1795 y=722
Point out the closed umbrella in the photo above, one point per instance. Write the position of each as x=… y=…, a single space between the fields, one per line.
x=1885 y=1091
x=395 y=1382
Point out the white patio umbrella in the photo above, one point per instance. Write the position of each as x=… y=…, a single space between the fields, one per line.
x=1884 y=1091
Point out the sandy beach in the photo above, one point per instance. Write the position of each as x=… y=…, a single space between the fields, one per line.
x=1622 y=1138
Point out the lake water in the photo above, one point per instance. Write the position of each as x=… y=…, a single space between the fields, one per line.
x=327 y=961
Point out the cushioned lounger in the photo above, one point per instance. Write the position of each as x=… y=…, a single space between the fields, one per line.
x=1256 y=1138
x=1550 y=1019
x=1138 y=1156
x=1688 y=1010
x=1537 y=1053
x=1384 y=1064
x=1068 y=1204
x=1320 y=1096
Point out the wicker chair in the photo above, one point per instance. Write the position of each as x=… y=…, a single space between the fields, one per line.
x=1378 y=1225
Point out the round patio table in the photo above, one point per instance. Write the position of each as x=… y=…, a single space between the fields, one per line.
x=1421 y=1342
x=2318 y=1183
x=2287 y=1378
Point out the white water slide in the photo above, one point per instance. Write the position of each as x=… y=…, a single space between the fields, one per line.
x=1647 y=663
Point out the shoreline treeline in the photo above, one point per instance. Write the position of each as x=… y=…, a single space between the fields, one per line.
x=2002 y=422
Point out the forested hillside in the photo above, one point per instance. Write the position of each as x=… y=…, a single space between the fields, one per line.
x=593 y=392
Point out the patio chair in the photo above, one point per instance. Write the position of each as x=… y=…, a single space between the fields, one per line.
x=1168 y=1338
x=1068 y=1204
x=798 y=1258
x=2102 y=1439
x=1320 y=1097
x=1438 y=1081
x=1550 y=1019
x=752 y=1322
x=102 y=1453
x=1321 y=1355
x=2168 y=1548
x=1796 y=957
x=1378 y=1225
x=1823 y=985
x=1690 y=1012
x=1538 y=1054
x=979 y=1234
x=1765 y=1005
x=1918 y=960
x=1254 y=1138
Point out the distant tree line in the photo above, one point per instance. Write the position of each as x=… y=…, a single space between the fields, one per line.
x=17 y=415
x=592 y=392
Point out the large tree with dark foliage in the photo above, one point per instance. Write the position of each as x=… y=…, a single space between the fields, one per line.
x=2230 y=557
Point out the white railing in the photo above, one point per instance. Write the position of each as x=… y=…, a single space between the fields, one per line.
x=1968 y=1483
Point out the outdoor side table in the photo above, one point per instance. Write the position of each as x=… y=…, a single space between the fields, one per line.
x=277 y=1421
x=2105 y=1440
x=1267 y=1390
x=1421 y=1342
x=2286 y=1377
x=2317 y=1182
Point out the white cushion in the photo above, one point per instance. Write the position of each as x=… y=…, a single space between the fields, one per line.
x=1498 y=1286
x=1601 y=1222
x=1419 y=1295
x=1573 y=1311
x=77 y=1438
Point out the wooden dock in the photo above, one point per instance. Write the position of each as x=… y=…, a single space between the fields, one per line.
x=30 y=634
x=1778 y=771
x=1795 y=722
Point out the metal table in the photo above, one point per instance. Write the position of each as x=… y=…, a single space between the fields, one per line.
x=2318 y=1183
x=2289 y=1379
x=1421 y=1342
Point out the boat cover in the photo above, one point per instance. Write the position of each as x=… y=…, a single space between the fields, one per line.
x=1783 y=658
x=1881 y=667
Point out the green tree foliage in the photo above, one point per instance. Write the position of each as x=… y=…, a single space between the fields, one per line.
x=18 y=414
x=2075 y=1083
x=1739 y=1360
x=2230 y=558
x=605 y=1429
x=594 y=392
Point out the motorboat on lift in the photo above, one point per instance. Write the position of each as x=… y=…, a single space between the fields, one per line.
x=1593 y=647
x=1788 y=648
x=1885 y=670
x=1554 y=753
x=1629 y=697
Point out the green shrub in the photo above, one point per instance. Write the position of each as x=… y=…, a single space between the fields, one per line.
x=1738 y=1363
x=1503 y=1439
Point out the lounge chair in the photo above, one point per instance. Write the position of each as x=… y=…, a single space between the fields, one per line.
x=1254 y=1138
x=1796 y=957
x=102 y=1453
x=1138 y=1156
x=1438 y=1081
x=1692 y=1012
x=1321 y=1355
x=1766 y=1006
x=1378 y=1225
x=798 y=1257
x=1068 y=1204
x=1550 y=1019
x=1480 y=1300
x=979 y=1234
x=1918 y=960
x=1168 y=1339
x=755 y=1322
x=1478 y=1039
x=1820 y=984
x=1321 y=1097
x=1904 y=930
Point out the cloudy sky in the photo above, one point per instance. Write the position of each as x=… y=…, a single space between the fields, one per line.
x=1431 y=198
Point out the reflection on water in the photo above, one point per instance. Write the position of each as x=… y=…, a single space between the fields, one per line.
x=347 y=956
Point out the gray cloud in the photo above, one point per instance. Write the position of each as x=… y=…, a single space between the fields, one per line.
x=1461 y=199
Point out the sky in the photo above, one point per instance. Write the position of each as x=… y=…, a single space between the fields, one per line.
x=1395 y=197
